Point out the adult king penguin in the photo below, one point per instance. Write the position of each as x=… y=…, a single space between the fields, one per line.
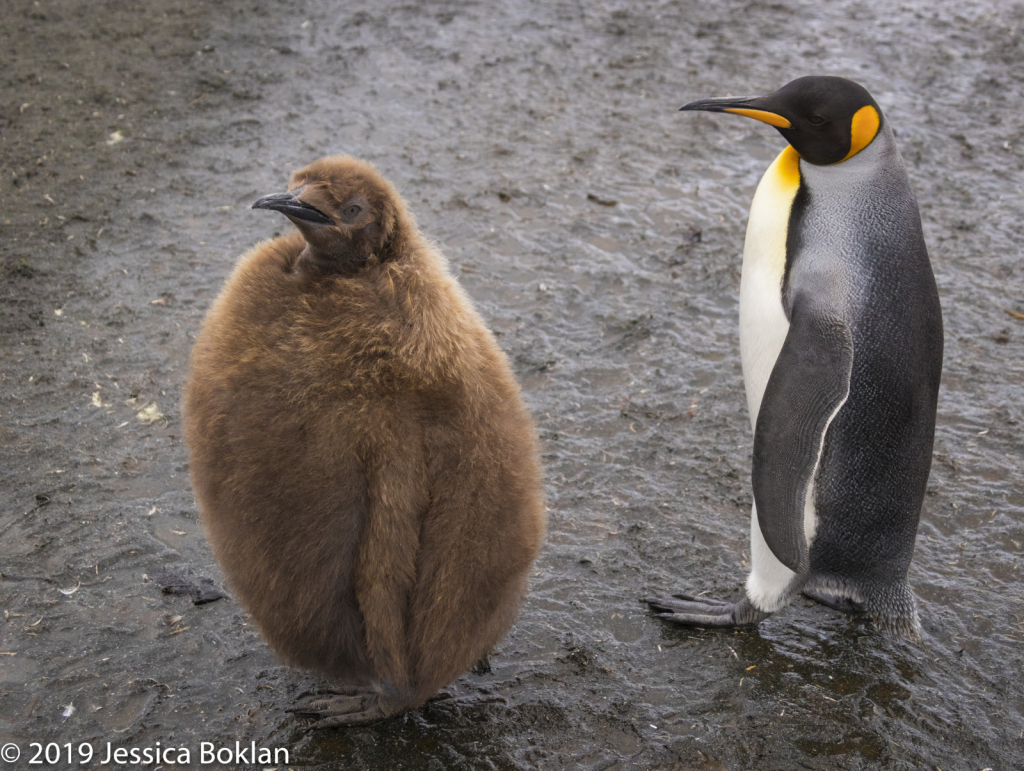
x=841 y=343
x=367 y=471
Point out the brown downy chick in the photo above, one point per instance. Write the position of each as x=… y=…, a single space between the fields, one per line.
x=366 y=469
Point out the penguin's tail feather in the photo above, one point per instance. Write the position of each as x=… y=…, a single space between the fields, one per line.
x=894 y=610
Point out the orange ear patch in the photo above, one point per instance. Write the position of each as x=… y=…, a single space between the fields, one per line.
x=863 y=128
x=762 y=115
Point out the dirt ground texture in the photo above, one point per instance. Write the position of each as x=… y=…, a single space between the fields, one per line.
x=600 y=233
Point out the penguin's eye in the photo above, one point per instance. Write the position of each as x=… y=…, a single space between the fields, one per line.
x=815 y=120
x=352 y=211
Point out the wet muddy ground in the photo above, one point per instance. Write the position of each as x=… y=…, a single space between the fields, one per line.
x=600 y=233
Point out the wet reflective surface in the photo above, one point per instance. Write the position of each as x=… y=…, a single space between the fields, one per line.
x=600 y=233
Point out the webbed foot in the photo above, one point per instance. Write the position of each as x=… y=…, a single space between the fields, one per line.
x=685 y=610
x=349 y=707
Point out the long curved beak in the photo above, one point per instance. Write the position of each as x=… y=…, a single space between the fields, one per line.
x=289 y=205
x=747 y=106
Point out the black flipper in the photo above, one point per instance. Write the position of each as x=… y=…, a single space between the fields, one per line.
x=836 y=602
x=811 y=378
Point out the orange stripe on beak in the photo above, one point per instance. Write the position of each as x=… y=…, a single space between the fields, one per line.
x=765 y=117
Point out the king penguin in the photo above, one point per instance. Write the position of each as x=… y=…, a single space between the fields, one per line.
x=364 y=463
x=841 y=347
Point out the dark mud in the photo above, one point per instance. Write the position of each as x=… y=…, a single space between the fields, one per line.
x=600 y=233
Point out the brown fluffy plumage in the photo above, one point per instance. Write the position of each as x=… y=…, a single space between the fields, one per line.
x=366 y=469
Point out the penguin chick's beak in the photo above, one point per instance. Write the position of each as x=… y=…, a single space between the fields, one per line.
x=746 y=106
x=289 y=205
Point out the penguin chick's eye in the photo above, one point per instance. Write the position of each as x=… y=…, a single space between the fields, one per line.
x=352 y=211
x=815 y=120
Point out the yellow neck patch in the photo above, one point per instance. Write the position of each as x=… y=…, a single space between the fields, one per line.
x=762 y=115
x=764 y=255
x=863 y=128
x=787 y=168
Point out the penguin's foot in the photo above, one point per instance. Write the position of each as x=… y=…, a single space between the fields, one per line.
x=349 y=707
x=844 y=604
x=685 y=610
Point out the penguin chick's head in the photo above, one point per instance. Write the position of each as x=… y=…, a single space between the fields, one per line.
x=347 y=212
x=826 y=119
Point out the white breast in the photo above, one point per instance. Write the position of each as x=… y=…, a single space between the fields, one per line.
x=763 y=330
x=763 y=323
